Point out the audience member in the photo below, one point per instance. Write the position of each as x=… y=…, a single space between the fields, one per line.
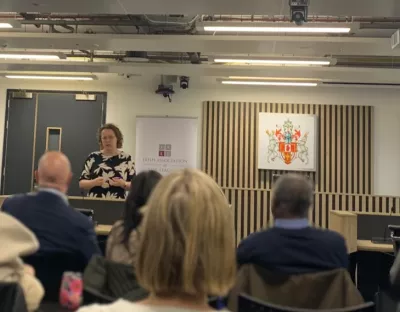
x=16 y=241
x=186 y=246
x=292 y=246
x=122 y=242
x=48 y=214
x=395 y=272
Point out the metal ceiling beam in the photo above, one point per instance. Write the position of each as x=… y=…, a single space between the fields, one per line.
x=206 y=44
x=369 y=75
x=387 y=8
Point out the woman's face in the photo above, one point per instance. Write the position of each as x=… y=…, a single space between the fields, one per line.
x=108 y=140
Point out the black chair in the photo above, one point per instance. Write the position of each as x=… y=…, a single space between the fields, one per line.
x=395 y=236
x=50 y=267
x=106 y=281
x=12 y=298
x=92 y=296
x=250 y=304
x=386 y=301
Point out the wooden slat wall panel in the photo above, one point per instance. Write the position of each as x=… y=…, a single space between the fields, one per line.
x=252 y=213
x=344 y=145
x=343 y=180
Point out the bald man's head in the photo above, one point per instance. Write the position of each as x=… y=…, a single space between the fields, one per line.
x=54 y=171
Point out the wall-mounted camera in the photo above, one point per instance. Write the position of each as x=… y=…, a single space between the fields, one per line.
x=184 y=82
x=299 y=11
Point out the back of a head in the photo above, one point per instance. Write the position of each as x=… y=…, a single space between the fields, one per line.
x=54 y=171
x=141 y=187
x=292 y=197
x=187 y=245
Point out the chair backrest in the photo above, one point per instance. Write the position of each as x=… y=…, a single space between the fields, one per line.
x=50 y=267
x=12 y=298
x=322 y=290
x=249 y=304
x=106 y=281
x=89 y=213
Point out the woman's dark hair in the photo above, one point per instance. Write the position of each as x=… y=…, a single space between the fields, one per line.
x=141 y=188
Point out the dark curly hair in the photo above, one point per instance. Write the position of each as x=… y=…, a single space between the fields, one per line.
x=117 y=132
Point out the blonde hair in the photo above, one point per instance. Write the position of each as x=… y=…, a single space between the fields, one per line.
x=187 y=243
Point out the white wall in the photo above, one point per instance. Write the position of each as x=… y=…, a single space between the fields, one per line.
x=126 y=99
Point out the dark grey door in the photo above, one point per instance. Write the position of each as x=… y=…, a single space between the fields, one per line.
x=75 y=122
x=52 y=121
x=18 y=144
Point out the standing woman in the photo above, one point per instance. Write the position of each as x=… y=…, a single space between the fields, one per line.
x=108 y=173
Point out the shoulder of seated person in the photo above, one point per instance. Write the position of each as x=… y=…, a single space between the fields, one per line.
x=80 y=220
x=117 y=228
x=17 y=197
x=118 y=224
x=21 y=195
x=256 y=235
x=329 y=234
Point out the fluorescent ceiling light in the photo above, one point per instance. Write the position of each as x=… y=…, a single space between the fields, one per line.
x=278 y=29
x=272 y=78
x=32 y=56
x=10 y=23
x=292 y=62
x=270 y=83
x=49 y=77
x=5 y=25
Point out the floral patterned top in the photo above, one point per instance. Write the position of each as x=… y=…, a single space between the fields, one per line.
x=108 y=167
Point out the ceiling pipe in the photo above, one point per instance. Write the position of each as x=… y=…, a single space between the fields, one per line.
x=84 y=22
x=172 y=23
x=344 y=61
x=311 y=18
x=115 y=19
x=170 y=58
x=12 y=15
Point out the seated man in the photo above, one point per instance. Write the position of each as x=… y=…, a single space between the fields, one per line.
x=292 y=246
x=48 y=214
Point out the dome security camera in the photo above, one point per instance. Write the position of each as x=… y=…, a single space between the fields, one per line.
x=184 y=82
x=299 y=11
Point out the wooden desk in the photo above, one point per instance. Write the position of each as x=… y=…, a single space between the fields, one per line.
x=103 y=229
x=366 y=245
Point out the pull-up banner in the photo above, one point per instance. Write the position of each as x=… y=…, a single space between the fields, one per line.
x=165 y=144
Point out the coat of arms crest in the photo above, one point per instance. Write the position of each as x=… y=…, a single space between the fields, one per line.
x=287 y=143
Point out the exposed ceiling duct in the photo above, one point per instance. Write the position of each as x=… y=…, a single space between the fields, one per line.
x=310 y=19
x=92 y=38
x=180 y=21
x=149 y=23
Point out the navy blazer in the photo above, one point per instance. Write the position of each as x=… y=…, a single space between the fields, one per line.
x=57 y=225
x=294 y=251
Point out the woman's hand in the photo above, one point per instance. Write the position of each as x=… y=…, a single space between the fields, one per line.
x=118 y=182
x=98 y=181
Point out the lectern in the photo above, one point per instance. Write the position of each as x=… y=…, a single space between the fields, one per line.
x=345 y=223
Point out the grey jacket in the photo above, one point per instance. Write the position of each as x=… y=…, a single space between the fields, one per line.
x=107 y=281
